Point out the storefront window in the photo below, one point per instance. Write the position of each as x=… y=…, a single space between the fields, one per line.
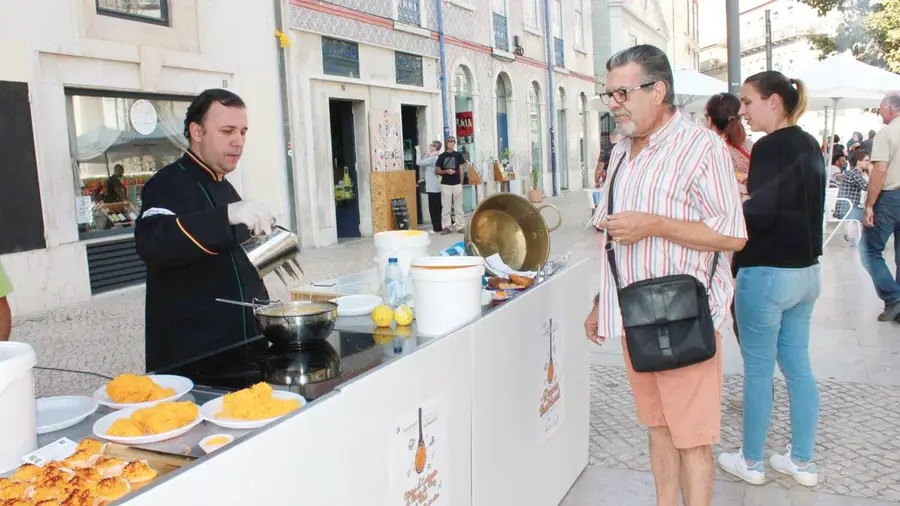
x=537 y=154
x=465 y=119
x=149 y=11
x=117 y=142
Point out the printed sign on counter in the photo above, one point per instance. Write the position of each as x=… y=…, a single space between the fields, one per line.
x=419 y=452
x=84 y=210
x=550 y=351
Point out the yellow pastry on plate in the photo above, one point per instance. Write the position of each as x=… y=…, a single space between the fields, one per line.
x=138 y=472
x=133 y=389
x=27 y=472
x=109 y=467
x=110 y=489
x=17 y=490
x=80 y=498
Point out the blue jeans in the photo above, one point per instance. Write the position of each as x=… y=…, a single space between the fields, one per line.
x=774 y=308
x=871 y=247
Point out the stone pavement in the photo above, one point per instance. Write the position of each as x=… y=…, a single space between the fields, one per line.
x=856 y=360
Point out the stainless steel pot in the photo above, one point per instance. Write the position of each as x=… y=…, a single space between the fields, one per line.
x=276 y=252
x=286 y=323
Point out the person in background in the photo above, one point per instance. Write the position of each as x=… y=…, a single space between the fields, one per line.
x=6 y=288
x=432 y=185
x=779 y=278
x=867 y=144
x=115 y=187
x=676 y=206
x=723 y=118
x=600 y=174
x=882 y=213
x=855 y=180
x=836 y=169
x=855 y=140
x=449 y=166
x=189 y=235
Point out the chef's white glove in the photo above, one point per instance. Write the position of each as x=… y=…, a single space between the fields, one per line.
x=253 y=214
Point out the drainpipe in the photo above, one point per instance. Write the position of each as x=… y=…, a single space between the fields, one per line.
x=445 y=103
x=286 y=120
x=551 y=93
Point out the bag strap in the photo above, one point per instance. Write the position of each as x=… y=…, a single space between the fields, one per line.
x=611 y=255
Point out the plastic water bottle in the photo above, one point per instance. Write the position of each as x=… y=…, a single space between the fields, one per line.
x=394 y=284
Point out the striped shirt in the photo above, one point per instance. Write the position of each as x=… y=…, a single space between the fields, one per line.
x=685 y=173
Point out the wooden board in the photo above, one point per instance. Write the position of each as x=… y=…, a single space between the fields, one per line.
x=392 y=185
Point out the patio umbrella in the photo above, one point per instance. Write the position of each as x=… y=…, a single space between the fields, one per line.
x=843 y=81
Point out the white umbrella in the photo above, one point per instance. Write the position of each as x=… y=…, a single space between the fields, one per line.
x=843 y=81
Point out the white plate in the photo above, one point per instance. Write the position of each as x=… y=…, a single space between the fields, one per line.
x=102 y=425
x=208 y=412
x=356 y=305
x=180 y=384
x=204 y=443
x=57 y=413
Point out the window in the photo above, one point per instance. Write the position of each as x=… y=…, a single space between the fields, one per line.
x=531 y=13
x=501 y=27
x=556 y=18
x=148 y=11
x=537 y=153
x=409 y=11
x=579 y=23
x=409 y=69
x=340 y=57
x=117 y=141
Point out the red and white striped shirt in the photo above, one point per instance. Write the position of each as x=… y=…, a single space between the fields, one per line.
x=685 y=173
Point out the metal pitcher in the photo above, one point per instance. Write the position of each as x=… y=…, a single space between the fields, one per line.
x=276 y=252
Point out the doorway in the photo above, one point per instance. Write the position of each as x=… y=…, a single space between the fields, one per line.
x=562 y=148
x=410 y=118
x=343 y=156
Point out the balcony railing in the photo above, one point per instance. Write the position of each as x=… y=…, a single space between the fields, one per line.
x=408 y=12
x=559 y=52
x=501 y=38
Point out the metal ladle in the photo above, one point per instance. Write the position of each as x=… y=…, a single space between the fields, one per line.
x=245 y=304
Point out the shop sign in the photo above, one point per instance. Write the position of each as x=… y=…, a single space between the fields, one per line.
x=464 y=125
x=550 y=351
x=419 y=457
x=84 y=209
x=340 y=57
x=143 y=117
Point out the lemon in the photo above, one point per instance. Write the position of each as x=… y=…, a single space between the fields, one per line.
x=382 y=316
x=403 y=314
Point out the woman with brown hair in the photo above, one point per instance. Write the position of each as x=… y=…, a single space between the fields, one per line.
x=722 y=117
x=778 y=279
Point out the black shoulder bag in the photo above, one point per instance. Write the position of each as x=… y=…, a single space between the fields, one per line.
x=668 y=322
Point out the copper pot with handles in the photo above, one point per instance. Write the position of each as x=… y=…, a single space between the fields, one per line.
x=510 y=225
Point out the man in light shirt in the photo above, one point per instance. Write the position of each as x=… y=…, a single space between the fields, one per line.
x=675 y=207
x=882 y=213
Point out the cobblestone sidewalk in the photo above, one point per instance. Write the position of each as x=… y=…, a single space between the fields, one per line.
x=857 y=450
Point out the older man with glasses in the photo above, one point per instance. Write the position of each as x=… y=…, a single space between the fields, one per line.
x=676 y=207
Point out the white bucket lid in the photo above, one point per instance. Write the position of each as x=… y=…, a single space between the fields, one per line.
x=16 y=360
x=401 y=239
x=447 y=261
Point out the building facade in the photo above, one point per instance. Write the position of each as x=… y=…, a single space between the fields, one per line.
x=682 y=18
x=97 y=84
x=370 y=69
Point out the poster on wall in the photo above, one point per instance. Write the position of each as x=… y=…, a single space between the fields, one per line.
x=464 y=125
x=387 y=149
x=84 y=210
x=550 y=353
x=419 y=451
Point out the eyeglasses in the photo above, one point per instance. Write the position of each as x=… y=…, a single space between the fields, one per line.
x=621 y=95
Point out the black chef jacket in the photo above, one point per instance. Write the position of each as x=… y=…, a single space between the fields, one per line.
x=193 y=256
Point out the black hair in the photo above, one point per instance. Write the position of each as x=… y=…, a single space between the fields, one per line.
x=871 y=134
x=722 y=110
x=653 y=62
x=835 y=157
x=858 y=155
x=196 y=112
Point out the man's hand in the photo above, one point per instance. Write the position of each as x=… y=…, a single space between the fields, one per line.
x=869 y=218
x=630 y=227
x=252 y=214
x=449 y=172
x=591 y=327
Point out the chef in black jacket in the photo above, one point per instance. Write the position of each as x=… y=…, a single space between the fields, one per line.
x=189 y=233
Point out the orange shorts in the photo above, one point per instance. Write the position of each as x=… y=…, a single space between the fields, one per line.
x=688 y=400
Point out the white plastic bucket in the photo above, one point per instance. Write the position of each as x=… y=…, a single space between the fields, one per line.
x=446 y=291
x=18 y=436
x=404 y=245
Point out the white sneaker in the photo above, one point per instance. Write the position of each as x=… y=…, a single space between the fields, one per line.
x=807 y=475
x=735 y=465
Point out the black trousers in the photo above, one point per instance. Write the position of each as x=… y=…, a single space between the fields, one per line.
x=434 y=211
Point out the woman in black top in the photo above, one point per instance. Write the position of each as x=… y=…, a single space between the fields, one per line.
x=778 y=278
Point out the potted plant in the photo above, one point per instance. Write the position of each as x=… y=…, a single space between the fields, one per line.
x=535 y=195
